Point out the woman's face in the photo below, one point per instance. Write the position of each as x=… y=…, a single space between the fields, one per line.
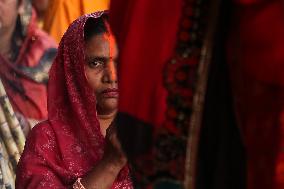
x=9 y=10
x=100 y=69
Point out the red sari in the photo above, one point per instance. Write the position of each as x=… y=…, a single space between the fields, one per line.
x=69 y=143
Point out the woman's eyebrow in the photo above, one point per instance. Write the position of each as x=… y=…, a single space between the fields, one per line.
x=101 y=58
x=97 y=58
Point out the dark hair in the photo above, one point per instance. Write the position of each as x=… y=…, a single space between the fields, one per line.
x=95 y=27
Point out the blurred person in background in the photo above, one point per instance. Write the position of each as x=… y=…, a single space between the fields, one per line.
x=26 y=54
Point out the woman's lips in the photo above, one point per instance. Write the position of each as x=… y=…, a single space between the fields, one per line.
x=110 y=93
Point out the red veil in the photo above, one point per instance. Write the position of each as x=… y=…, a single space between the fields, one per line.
x=69 y=143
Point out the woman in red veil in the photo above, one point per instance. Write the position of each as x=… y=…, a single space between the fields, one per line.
x=76 y=147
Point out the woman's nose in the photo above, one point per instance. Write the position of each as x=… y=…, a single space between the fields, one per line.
x=110 y=72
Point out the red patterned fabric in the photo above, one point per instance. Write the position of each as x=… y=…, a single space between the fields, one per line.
x=32 y=102
x=256 y=57
x=70 y=143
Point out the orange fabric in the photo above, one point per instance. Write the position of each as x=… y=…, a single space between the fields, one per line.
x=61 y=13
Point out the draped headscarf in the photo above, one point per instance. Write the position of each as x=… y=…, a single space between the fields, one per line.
x=69 y=143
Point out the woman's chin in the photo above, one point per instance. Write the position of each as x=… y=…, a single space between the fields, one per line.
x=108 y=106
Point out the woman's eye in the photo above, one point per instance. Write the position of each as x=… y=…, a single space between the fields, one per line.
x=96 y=64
